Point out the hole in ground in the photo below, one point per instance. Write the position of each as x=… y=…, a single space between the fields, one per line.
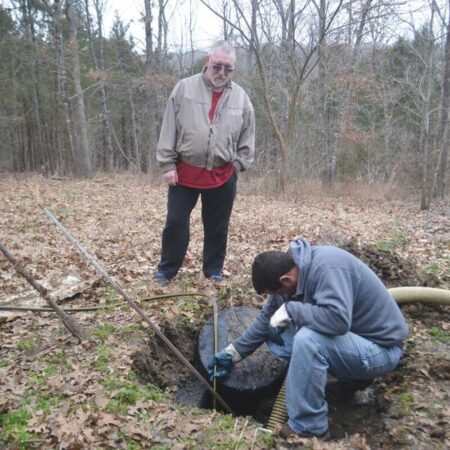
x=156 y=365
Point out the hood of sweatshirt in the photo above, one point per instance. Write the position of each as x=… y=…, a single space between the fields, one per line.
x=300 y=249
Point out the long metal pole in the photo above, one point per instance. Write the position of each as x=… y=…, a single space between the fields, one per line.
x=138 y=310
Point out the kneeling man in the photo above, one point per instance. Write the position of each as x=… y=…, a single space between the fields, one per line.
x=328 y=313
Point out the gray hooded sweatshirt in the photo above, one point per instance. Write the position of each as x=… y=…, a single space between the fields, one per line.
x=336 y=293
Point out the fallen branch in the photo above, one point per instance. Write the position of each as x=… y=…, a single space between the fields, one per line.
x=67 y=320
x=137 y=309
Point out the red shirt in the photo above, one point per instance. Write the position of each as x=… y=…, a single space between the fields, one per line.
x=199 y=177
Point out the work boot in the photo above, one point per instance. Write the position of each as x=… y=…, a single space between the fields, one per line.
x=160 y=278
x=217 y=278
x=285 y=431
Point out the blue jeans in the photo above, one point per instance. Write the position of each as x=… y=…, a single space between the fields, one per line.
x=313 y=355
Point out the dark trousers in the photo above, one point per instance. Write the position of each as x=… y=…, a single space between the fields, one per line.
x=217 y=204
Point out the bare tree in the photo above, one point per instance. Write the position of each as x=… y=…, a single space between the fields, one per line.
x=82 y=158
x=361 y=19
x=424 y=141
x=445 y=116
x=62 y=81
x=36 y=132
x=296 y=62
x=148 y=37
x=99 y=65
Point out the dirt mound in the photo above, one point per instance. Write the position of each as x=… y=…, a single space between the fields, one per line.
x=391 y=268
x=397 y=272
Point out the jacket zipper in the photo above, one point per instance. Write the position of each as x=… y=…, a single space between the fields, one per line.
x=221 y=99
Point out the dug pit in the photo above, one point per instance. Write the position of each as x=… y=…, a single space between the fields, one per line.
x=364 y=413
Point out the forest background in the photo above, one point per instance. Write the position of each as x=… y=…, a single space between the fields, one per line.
x=352 y=104
x=343 y=89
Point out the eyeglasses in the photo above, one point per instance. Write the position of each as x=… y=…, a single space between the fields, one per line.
x=227 y=70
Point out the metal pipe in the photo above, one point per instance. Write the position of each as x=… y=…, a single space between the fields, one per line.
x=137 y=309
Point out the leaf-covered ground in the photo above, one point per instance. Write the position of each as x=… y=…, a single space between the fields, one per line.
x=56 y=393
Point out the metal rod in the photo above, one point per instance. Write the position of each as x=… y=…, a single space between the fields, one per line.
x=136 y=308
x=215 y=314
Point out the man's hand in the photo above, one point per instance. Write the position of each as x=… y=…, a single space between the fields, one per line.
x=223 y=362
x=278 y=322
x=171 y=177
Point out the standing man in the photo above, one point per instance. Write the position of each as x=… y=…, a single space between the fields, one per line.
x=207 y=138
x=328 y=313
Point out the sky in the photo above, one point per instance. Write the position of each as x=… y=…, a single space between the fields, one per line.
x=206 y=24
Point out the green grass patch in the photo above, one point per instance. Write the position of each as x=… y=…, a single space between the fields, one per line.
x=4 y=362
x=104 y=331
x=47 y=402
x=431 y=268
x=103 y=355
x=130 y=329
x=27 y=344
x=39 y=378
x=439 y=334
x=407 y=401
x=266 y=439
x=14 y=428
x=126 y=393
x=111 y=295
x=51 y=365
x=220 y=435
x=397 y=239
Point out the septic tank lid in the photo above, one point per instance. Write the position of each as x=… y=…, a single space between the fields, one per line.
x=256 y=372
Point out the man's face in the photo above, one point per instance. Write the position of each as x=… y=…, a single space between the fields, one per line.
x=219 y=67
x=284 y=290
x=288 y=283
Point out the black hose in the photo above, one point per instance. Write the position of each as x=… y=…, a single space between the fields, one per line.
x=96 y=308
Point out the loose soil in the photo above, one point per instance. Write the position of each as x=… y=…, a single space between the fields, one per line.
x=56 y=393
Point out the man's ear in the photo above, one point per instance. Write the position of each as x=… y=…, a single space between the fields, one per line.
x=288 y=280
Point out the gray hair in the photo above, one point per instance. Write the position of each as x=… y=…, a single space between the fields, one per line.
x=224 y=46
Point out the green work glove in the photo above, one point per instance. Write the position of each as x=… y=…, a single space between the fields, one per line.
x=223 y=362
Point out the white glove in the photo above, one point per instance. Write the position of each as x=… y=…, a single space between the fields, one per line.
x=234 y=353
x=280 y=318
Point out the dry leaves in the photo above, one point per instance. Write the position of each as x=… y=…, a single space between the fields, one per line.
x=69 y=389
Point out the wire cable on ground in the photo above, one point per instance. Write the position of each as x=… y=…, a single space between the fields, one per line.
x=96 y=308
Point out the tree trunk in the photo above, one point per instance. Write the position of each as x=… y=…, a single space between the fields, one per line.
x=83 y=164
x=425 y=127
x=343 y=112
x=445 y=120
x=62 y=81
x=39 y=148
x=99 y=64
x=323 y=142
x=148 y=37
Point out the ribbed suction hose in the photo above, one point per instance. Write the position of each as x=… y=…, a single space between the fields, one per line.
x=401 y=295
x=420 y=295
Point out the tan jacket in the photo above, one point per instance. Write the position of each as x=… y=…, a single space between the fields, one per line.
x=187 y=134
